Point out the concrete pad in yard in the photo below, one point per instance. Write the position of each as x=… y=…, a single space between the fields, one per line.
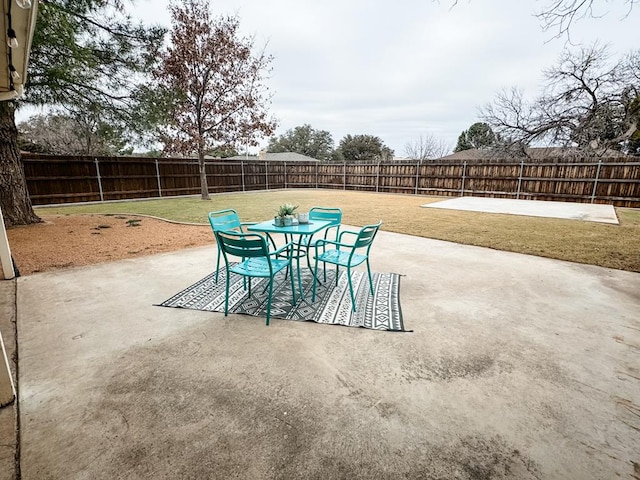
x=589 y=212
x=518 y=367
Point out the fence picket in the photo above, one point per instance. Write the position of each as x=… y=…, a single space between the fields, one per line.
x=99 y=179
x=158 y=178
x=520 y=179
x=595 y=181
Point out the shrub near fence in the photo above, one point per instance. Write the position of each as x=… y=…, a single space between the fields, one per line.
x=57 y=179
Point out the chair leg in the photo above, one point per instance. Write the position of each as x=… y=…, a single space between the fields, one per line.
x=370 y=280
x=299 y=277
x=269 y=301
x=286 y=273
x=353 y=298
x=226 y=295
x=244 y=281
x=271 y=240
x=218 y=262
x=265 y=287
x=315 y=279
x=293 y=286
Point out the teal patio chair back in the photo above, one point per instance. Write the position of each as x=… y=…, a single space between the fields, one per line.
x=333 y=215
x=330 y=214
x=226 y=221
x=257 y=261
x=346 y=254
x=326 y=213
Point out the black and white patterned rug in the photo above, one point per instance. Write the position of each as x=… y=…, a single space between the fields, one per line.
x=380 y=311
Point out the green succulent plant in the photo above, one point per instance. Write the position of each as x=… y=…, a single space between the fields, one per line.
x=286 y=210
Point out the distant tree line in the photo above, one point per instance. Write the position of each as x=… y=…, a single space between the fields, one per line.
x=319 y=144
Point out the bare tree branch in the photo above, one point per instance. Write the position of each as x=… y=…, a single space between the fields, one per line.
x=588 y=102
x=561 y=15
x=426 y=147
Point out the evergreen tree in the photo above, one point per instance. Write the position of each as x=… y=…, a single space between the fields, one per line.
x=480 y=135
x=86 y=56
x=304 y=140
x=363 y=147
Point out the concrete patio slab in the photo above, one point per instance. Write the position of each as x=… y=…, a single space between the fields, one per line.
x=534 y=208
x=518 y=367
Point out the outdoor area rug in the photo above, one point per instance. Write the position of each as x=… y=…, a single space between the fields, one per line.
x=380 y=311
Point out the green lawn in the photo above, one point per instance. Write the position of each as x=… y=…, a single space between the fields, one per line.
x=614 y=246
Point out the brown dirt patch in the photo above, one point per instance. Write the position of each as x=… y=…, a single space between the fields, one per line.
x=71 y=241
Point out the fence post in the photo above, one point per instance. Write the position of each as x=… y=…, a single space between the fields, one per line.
x=595 y=182
x=317 y=164
x=242 y=174
x=520 y=178
x=464 y=176
x=378 y=178
x=158 y=178
x=344 y=176
x=99 y=179
x=285 y=175
x=266 y=176
x=417 y=176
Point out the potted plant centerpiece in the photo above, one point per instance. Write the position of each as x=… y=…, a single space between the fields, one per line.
x=284 y=218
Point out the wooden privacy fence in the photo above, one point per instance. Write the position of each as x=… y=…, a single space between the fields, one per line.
x=57 y=179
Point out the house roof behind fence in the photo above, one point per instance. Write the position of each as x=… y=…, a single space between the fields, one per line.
x=533 y=153
x=281 y=157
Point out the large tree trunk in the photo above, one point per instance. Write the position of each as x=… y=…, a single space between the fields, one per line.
x=204 y=186
x=14 y=198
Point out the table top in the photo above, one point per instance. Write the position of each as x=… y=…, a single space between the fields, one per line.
x=314 y=226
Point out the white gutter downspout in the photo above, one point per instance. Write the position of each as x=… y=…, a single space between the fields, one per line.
x=7 y=387
x=5 y=252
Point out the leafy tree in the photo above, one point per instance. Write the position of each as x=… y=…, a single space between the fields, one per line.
x=587 y=101
x=363 y=147
x=479 y=135
x=223 y=151
x=84 y=134
x=305 y=140
x=218 y=85
x=86 y=56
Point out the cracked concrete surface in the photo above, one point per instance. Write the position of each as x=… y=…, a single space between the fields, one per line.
x=518 y=367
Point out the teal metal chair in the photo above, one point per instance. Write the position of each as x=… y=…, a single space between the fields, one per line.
x=347 y=255
x=331 y=214
x=228 y=220
x=334 y=215
x=257 y=261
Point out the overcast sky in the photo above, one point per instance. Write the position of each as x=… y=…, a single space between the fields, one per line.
x=399 y=69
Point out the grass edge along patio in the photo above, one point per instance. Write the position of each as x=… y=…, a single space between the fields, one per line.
x=612 y=246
